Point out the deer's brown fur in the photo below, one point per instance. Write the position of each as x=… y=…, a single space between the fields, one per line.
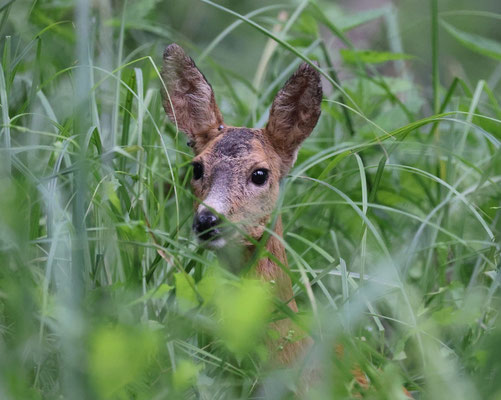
x=189 y=100
x=284 y=351
x=229 y=155
x=294 y=113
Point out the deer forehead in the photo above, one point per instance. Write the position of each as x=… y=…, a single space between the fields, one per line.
x=235 y=142
x=237 y=149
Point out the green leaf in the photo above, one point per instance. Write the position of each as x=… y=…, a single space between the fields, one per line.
x=96 y=141
x=444 y=316
x=244 y=310
x=185 y=375
x=110 y=189
x=162 y=290
x=155 y=293
x=120 y=356
x=400 y=356
x=476 y=43
x=346 y=22
x=372 y=57
x=209 y=286
x=185 y=293
x=136 y=12
x=351 y=21
x=132 y=230
x=307 y=24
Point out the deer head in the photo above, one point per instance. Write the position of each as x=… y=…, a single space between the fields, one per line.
x=237 y=171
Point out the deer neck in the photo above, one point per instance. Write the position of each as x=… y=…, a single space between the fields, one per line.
x=282 y=350
x=276 y=273
x=271 y=268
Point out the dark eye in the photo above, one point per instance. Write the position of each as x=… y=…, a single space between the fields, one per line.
x=198 y=170
x=259 y=176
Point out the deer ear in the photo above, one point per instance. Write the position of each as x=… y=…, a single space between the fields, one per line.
x=294 y=113
x=189 y=100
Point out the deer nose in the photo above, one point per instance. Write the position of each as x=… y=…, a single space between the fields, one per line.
x=204 y=224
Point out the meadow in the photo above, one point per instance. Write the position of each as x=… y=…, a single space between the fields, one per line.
x=391 y=214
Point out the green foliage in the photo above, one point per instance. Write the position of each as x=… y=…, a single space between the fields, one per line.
x=119 y=356
x=391 y=214
x=477 y=43
x=243 y=310
x=371 y=57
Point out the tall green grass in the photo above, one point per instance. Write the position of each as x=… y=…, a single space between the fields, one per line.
x=391 y=213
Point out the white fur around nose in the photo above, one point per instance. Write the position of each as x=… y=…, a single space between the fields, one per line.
x=216 y=201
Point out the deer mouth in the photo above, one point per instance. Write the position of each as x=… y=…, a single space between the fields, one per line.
x=212 y=239
x=215 y=243
x=209 y=235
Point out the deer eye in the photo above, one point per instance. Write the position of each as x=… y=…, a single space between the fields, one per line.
x=259 y=176
x=198 y=170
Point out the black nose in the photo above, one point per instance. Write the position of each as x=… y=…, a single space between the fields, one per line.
x=204 y=224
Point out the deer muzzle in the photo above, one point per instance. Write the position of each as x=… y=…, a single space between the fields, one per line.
x=205 y=226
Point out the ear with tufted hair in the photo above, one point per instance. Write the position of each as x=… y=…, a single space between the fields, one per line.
x=189 y=100
x=294 y=113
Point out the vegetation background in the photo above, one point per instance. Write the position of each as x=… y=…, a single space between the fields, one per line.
x=392 y=212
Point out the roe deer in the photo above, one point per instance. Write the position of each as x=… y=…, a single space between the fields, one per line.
x=237 y=171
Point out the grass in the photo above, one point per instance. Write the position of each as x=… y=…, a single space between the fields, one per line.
x=392 y=211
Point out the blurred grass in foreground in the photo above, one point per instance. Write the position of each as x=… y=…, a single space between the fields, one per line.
x=392 y=211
